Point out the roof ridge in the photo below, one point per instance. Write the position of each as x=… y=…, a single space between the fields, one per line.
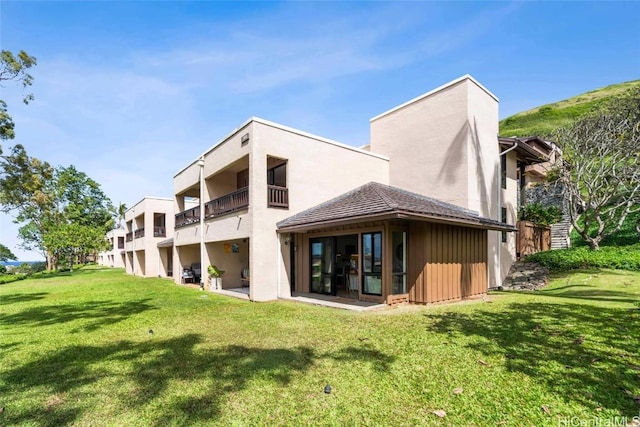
x=381 y=191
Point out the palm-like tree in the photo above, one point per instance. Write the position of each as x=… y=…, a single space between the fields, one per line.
x=122 y=208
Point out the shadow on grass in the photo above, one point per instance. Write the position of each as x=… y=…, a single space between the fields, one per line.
x=589 y=295
x=584 y=353
x=58 y=274
x=146 y=371
x=96 y=314
x=18 y=298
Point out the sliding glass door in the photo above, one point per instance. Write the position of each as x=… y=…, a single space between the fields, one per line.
x=372 y=263
x=322 y=267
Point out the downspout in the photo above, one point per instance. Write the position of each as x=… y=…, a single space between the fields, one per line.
x=502 y=153
x=202 y=248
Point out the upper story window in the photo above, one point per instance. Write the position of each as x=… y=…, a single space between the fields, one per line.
x=278 y=194
x=277 y=175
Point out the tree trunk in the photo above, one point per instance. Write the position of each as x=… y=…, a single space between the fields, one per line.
x=49 y=261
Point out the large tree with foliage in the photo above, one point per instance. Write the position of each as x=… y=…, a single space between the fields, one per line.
x=14 y=68
x=72 y=242
x=69 y=202
x=600 y=169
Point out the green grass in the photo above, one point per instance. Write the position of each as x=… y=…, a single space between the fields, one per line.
x=75 y=349
x=543 y=120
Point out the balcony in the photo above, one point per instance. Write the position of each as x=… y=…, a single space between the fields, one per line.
x=190 y=216
x=139 y=233
x=159 y=232
x=228 y=203
x=278 y=197
x=129 y=236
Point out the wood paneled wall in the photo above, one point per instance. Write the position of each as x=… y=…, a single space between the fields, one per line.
x=446 y=262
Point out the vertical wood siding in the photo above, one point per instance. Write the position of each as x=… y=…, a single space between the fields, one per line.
x=446 y=262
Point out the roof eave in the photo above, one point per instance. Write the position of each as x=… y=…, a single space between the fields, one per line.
x=303 y=228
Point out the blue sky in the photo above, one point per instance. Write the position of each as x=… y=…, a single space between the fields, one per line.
x=131 y=92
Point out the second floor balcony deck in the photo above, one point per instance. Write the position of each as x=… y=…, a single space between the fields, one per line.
x=278 y=197
x=228 y=203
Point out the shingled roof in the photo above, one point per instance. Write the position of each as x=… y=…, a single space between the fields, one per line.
x=378 y=201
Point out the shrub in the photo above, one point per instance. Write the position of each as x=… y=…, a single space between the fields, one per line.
x=540 y=214
x=620 y=258
x=8 y=278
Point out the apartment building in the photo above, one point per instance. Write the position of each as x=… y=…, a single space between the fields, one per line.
x=115 y=255
x=418 y=215
x=147 y=224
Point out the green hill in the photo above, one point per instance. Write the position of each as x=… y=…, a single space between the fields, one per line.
x=542 y=121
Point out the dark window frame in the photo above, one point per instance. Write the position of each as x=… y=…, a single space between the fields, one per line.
x=370 y=272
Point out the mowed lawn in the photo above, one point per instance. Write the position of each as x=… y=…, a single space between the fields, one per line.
x=76 y=349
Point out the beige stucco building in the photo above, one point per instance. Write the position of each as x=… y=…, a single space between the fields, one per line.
x=420 y=214
x=114 y=256
x=424 y=213
x=253 y=178
x=148 y=223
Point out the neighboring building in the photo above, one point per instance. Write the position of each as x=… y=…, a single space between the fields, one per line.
x=417 y=215
x=529 y=161
x=114 y=256
x=148 y=223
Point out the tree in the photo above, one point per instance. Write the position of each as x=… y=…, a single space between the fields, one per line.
x=6 y=254
x=122 y=210
x=71 y=242
x=50 y=201
x=14 y=68
x=69 y=200
x=600 y=169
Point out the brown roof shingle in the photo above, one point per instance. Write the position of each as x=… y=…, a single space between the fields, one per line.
x=379 y=200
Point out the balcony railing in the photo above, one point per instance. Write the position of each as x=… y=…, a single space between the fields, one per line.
x=187 y=217
x=159 y=232
x=139 y=233
x=231 y=202
x=278 y=196
x=129 y=236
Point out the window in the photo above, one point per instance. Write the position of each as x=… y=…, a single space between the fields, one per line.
x=503 y=170
x=504 y=220
x=372 y=263
x=120 y=242
x=399 y=272
x=277 y=175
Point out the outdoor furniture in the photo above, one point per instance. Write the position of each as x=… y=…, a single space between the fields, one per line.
x=197 y=272
x=244 y=277
x=187 y=276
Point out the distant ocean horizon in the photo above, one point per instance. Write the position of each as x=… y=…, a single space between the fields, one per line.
x=17 y=263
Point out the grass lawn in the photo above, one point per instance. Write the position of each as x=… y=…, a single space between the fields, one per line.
x=76 y=349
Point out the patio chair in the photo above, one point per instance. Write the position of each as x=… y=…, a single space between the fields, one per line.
x=197 y=272
x=187 y=276
x=244 y=277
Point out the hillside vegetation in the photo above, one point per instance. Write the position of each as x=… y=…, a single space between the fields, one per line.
x=543 y=120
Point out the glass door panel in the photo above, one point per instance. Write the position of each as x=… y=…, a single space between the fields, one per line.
x=399 y=273
x=322 y=265
x=372 y=263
